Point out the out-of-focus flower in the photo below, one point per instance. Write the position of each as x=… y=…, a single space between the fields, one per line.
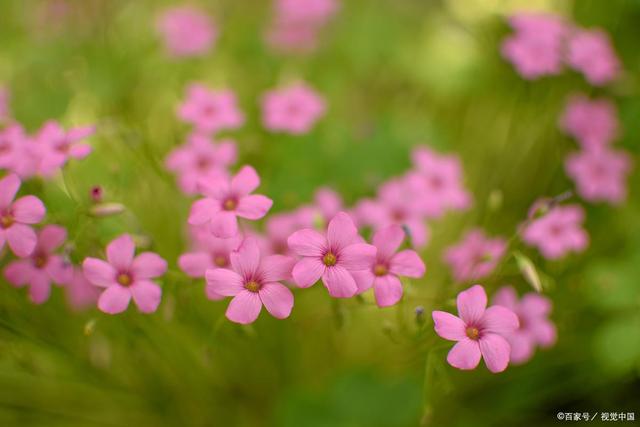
x=282 y=225
x=125 y=276
x=16 y=151
x=54 y=146
x=476 y=256
x=443 y=187
x=210 y=111
x=253 y=282
x=201 y=160
x=332 y=257
x=228 y=199
x=593 y=123
x=328 y=202
x=81 y=294
x=479 y=331
x=591 y=53
x=16 y=217
x=383 y=273
x=535 y=329
x=294 y=109
x=558 y=232
x=187 y=31
x=536 y=47
x=43 y=266
x=600 y=174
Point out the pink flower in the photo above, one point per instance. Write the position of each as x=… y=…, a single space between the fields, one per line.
x=383 y=273
x=228 y=199
x=56 y=146
x=590 y=52
x=210 y=111
x=332 y=258
x=594 y=123
x=328 y=202
x=294 y=109
x=17 y=152
x=442 y=177
x=187 y=31
x=280 y=226
x=558 y=232
x=308 y=11
x=535 y=329
x=16 y=216
x=600 y=175
x=252 y=282
x=43 y=266
x=475 y=257
x=81 y=294
x=536 y=47
x=479 y=331
x=125 y=277
x=201 y=160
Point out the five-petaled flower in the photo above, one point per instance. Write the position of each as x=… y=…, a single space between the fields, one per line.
x=558 y=232
x=210 y=111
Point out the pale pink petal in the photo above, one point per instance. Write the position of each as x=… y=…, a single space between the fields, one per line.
x=60 y=271
x=51 y=237
x=120 y=252
x=471 y=304
x=387 y=290
x=307 y=271
x=9 y=186
x=364 y=279
x=521 y=347
x=244 y=308
x=82 y=132
x=277 y=299
x=544 y=332
x=339 y=282
x=21 y=239
x=407 y=263
x=359 y=256
x=225 y=282
x=307 y=242
x=28 y=210
x=245 y=181
x=115 y=299
x=388 y=240
x=80 y=151
x=195 y=264
x=224 y=224
x=39 y=287
x=448 y=326
x=19 y=272
x=148 y=265
x=254 y=206
x=246 y=259
x=341 y=231
x=275 y=268
x=146 y=295
x=464 y=355
x=99 y=272
x=495 y=351
x=506 y=297
x=535 y=305
x=202 y=210
x=499 y=320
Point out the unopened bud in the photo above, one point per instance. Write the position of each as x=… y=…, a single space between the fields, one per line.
x=96 y=193
x=107 y=209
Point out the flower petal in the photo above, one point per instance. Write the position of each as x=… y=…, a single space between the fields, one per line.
x=471 y=304
x=307 y=271
x=275 y=268
x=224 y=224
x=364 y=279
x=195 y=264
x=506 y=296
x=39 y=287
x=51 y=237
x=277 y=299
x=9 y=186
x=246 y=259
x=388 y=240
x=407 y=263
x=244 y=308
x=19 y=272
x=341 y=231
x=387 y=290
x=21 y=239
x=28 y=210
x=448 y=326
x=148 y=265
x=245 y=181
x=499 y=320
x=464 y=355
x=59 y=270
x=522 y=346
x=99 y=272
x=115 y=299
x=495 y=351
x=308 y=242
x=339 y=282
x=202 y=210
x=359 y=256
x=146 y=295
x=120 y=252
x=254 y=206
x=222 y=281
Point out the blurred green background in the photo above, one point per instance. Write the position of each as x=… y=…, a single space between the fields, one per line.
x=395 y=74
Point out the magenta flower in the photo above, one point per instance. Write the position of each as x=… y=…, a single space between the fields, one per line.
x=479 y=331
x=201 y=160
x=125 y=277
x=535 y=329
x=187 y=31
x=56 y=146
x=442 y=177
x=383 y=273
x=80 y=293
x=475 y=257
x=600 y=174
x=17 y=216
x=590 y=52
x=252 y=282
x=43 y=266
x=558 y=232
x=536 y=48
x=332 y=258
x=593 y=123
x=210 y=111
x=228 y=199
x=294 y=109
x=328 y=202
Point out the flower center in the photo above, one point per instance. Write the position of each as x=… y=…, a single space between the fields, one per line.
x=380 y=270
x=473 y=332
x=63 y=147
x=40 y=260
x=229 y=204
x=203 y=163
x=124 y=279
x=329 y=259
x=6 y=220
x=220 y=261
x=252 y=286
